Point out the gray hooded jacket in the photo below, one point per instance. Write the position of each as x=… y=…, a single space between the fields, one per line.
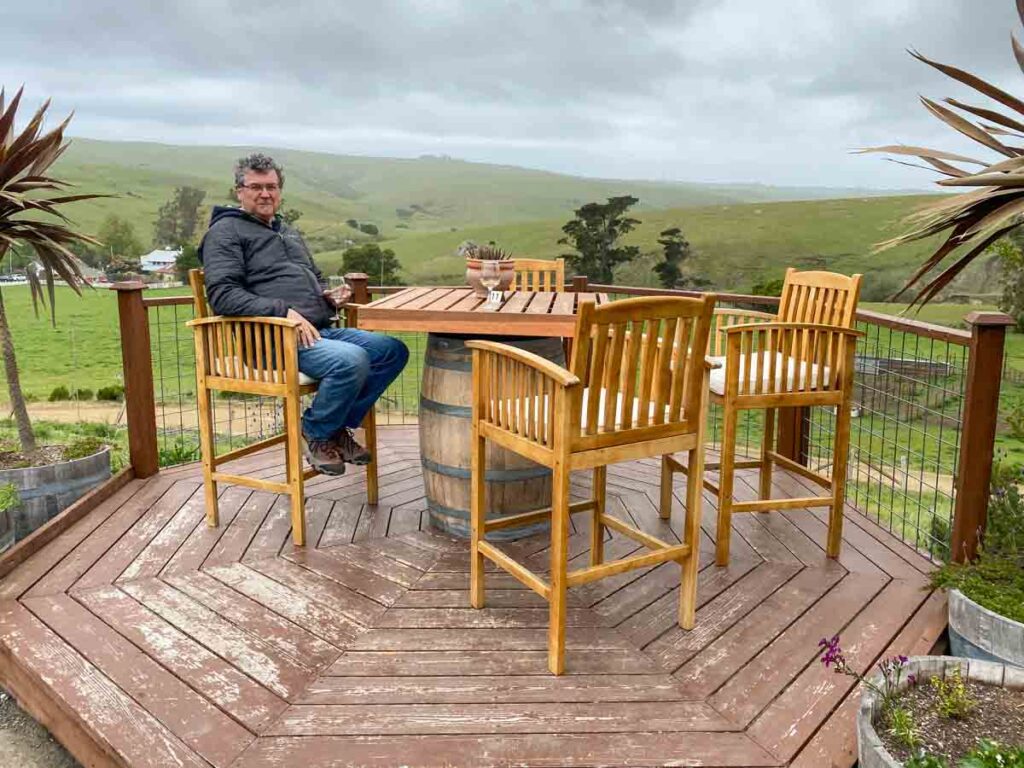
x=253 y=268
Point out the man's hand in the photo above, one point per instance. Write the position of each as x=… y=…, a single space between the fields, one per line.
x=308 y=334
x=339 y=296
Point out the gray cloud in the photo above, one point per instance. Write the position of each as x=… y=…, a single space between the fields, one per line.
x=717 y=90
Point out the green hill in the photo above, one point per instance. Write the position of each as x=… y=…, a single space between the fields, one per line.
x=400 y=196
x=736 y=245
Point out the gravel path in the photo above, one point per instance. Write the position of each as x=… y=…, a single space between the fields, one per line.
x=25 y=743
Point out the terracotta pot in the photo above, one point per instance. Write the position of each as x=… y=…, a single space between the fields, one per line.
x=507 y=274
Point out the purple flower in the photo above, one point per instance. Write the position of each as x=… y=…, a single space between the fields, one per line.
x=912 y=679
x=833 y=654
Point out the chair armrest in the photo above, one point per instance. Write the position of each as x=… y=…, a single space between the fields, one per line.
x=250 y=319
x=551 y=370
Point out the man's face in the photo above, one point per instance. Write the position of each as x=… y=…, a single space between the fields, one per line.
x=260 y=194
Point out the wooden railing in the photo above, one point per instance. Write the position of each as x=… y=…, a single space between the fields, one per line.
x=962 y=396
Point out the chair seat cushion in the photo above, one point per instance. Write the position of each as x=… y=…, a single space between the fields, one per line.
x=790 y=375
x=619 y=410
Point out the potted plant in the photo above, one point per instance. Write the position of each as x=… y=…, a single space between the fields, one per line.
x=31 y=203
x=475 y=254
x=936 y=712
x=986 y=596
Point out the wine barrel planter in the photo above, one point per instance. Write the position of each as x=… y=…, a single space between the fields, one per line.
x=871 y=752
x=976 y=632
x=513 y=484
x=6 y=529
x=45 y=491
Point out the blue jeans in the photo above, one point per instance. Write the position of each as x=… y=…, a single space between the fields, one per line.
x=354 y=368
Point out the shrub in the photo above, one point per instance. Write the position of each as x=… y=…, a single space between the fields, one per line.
x=352 y=223
x=82 y=446
x=178 y=452
x=926 y=761
x=953 y=698
x=369 y=229
x=59 y=393
x=1015 y=419
x=113 y=393
x=989 y=754
x=8 y=497
x=83 y=394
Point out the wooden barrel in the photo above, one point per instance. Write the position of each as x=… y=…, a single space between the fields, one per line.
x=514 y=484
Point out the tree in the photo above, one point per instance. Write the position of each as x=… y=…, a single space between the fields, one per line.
x=771 y=287
x=993 y=189
x=118 y=238
x=291 y=215
x=178 y=218
x=595 y=233
x=369 y=229
x=378 y=264
x=119 y=268
x=30 y=216
x=676 y=250
x=187 y=259
x=1011 y=264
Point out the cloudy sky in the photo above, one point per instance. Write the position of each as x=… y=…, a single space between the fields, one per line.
x=772 y=91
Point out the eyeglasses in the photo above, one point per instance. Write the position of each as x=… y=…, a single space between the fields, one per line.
x=261 y=187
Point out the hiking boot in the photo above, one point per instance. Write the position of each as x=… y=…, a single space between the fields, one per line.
x=324 y=456
x=351 y=451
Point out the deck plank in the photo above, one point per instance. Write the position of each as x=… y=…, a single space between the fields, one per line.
x=192 y=718
x=226 y=643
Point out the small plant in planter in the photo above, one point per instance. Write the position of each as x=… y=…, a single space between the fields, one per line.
x=986 y=596
x=475 y=254
x=968 y=710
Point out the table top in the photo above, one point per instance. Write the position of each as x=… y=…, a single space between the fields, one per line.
x=457 y=310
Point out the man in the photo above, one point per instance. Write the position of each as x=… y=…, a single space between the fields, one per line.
x=255 y=264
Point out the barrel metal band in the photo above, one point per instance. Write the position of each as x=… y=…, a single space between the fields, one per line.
x=490 y=475
x=463 y=411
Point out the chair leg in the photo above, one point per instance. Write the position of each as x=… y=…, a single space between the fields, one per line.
x=840 y=451
x=293 y=464
x=600 y=481
x=691 y=535
x=559 y=560
x=767 y=444
x=725 y=478
x=478 y=464
x=206 y=445
x=665 y=507
x=370 y=436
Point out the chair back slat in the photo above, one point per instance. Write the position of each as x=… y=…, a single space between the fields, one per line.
x=197 y=280
x=641 y=361
x=539 y=275
x=825 y=298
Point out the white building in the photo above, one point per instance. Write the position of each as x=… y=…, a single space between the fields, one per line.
x=159 y=259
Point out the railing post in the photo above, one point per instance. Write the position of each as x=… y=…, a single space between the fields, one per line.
x=137 y=362
x=978 y=434
x=360 y=295
x=579 y=283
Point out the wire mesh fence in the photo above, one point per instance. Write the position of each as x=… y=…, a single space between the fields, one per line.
x=905 y=434
x=238 y=419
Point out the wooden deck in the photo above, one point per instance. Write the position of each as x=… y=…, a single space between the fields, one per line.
x=142 y=638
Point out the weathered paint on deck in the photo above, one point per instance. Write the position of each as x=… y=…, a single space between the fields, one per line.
x=143 y=638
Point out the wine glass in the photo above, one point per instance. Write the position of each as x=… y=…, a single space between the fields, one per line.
x=490 y=277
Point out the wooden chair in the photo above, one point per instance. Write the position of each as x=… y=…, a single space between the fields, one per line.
x=626 y=397
x=801 y=357
x=258 y=356
x=539 y=275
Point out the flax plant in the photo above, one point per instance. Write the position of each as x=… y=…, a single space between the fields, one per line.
x=30 y=215
x=993 y=203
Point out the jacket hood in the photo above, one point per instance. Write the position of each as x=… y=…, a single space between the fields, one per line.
x=234 y=212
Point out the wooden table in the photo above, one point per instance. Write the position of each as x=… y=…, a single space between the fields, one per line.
x=457 y=310
x=535 y=321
